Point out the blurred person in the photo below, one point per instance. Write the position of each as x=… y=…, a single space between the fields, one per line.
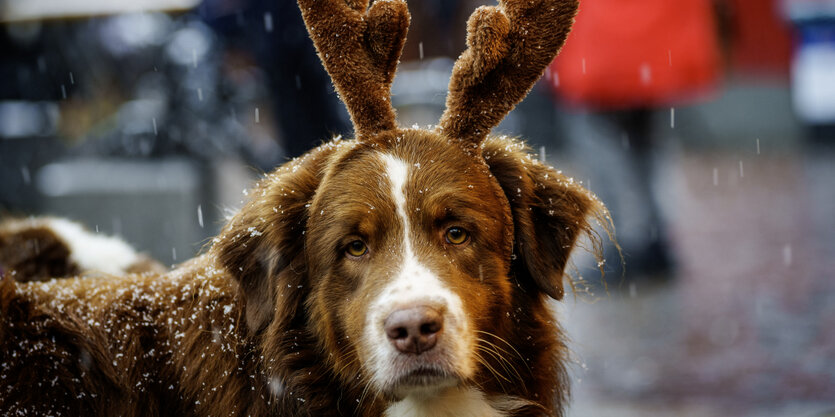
x=813 y=66
x=305 y=105
x=623 y=62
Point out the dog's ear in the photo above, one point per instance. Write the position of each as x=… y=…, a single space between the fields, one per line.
x=262 y=245
x=550 y=212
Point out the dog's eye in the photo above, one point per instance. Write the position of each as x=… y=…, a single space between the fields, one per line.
x=356 y=248
x=456 y=235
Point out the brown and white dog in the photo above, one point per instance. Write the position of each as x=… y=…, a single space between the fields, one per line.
x=403 y=273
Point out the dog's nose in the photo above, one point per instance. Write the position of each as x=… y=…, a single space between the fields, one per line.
x=414 y=329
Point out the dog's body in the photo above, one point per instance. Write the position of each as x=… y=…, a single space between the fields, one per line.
x=40 y=248
x=403 y=273
x=114 y=346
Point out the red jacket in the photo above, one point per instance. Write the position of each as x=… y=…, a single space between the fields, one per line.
x=638 y=53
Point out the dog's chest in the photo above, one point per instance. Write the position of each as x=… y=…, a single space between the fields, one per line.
x=456 y=402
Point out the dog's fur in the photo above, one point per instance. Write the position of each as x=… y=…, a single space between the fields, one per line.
x=280 y=318
x=41 y=248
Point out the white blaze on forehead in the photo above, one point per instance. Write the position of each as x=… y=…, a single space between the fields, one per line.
x=397 y=172
x=413 y=283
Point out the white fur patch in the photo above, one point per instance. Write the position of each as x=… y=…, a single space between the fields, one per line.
x=93 y=252
x=454 y=402
x=414 y=283
x=398 y=173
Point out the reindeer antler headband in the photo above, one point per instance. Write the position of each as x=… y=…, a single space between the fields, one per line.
x=508 y=48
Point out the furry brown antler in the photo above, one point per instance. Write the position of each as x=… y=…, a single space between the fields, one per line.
x=508 y=48
x=360 y=47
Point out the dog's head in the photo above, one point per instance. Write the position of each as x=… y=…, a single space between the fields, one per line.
x=410 y=256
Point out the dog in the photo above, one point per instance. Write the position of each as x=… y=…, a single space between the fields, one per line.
x=405 y=272
x=40 y=248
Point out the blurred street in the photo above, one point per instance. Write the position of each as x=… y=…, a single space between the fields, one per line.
x=745 y=329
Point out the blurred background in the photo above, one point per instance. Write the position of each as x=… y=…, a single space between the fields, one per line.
x=707 y=127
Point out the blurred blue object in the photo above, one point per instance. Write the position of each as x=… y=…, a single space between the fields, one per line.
x=813 y=72
x=21 y=119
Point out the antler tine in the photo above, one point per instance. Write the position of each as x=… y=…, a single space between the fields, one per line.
x=508 y=48
x=360 y=48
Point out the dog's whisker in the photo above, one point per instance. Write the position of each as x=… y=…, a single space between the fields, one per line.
x=515 y=351
x=499 y=353
x=493 y=345
x=366 y=389
x=490 y=367
x=499 y=377
x=504 y=363
x=501 y=339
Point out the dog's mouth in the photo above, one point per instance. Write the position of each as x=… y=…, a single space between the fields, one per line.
x=423 y=378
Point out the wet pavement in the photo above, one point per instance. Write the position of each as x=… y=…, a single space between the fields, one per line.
x=747 y=325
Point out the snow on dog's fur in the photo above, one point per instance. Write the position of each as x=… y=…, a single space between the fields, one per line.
x=406 y=272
